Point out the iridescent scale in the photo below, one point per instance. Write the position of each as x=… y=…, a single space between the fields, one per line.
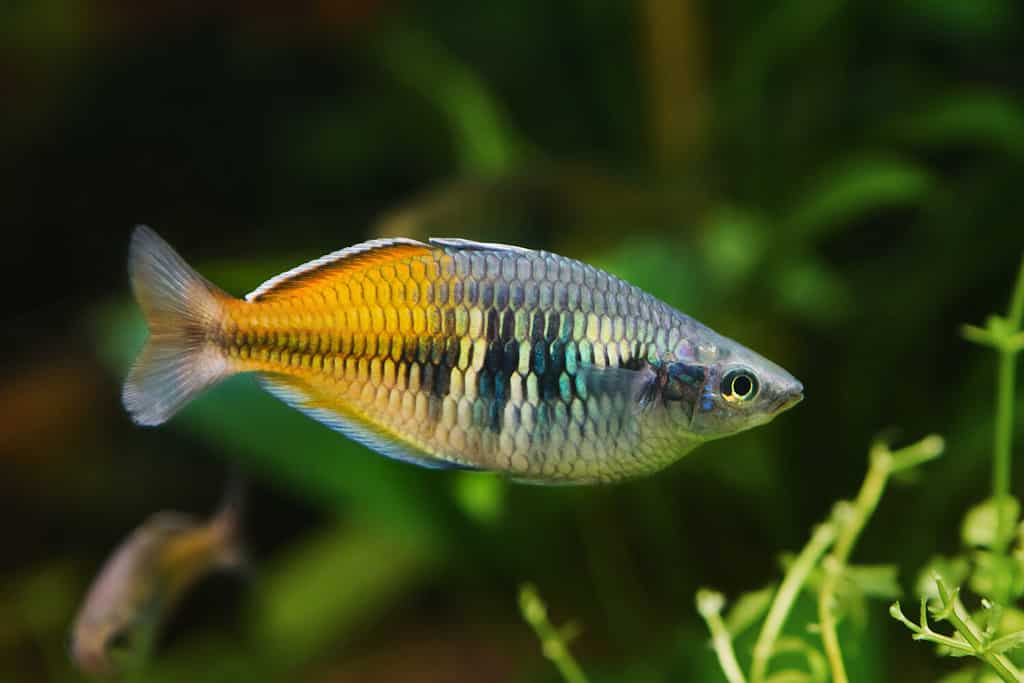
x=467 y=355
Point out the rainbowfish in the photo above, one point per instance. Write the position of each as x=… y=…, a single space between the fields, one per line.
x=457 y=354
x=144 y=579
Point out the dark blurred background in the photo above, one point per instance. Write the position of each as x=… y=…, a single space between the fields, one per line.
x=836 y=184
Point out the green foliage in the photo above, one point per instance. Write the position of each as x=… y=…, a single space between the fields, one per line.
x=980 y=527
x=857 y=188
x=972 y=118
x=486 y=145
x=988 y=528
x=969 y=638
x=841 y=588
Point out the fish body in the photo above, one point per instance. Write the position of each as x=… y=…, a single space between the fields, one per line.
x=458 y=354
x=144 y=579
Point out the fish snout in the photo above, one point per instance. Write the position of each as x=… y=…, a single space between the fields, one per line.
x=790 y=396
x=90 y=657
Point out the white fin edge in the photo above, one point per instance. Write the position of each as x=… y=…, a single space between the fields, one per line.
x=327 y=259
x=459 y=243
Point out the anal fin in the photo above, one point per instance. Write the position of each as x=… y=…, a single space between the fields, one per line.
x=303 y=398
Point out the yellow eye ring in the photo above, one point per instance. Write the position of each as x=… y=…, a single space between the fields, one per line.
x=739 y=385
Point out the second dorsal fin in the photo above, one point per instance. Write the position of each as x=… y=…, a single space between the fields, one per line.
x=334 y=263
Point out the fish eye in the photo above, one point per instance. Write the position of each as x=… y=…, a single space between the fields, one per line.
x=120 y=640
x=739 y=385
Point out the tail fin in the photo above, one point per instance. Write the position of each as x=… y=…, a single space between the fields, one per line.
x=229 y=520
x=181 y=307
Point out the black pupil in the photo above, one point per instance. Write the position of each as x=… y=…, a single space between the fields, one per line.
x=741 y=385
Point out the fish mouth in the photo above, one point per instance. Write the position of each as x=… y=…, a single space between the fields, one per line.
x=790 y=399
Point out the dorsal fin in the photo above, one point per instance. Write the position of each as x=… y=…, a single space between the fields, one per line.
x=332 y=264
x=462 y=244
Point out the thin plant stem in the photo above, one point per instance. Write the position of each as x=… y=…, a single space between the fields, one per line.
x=852 y=519
x=823 y=537
x=858 y=513
x=1001 y=455
x=553 y=642
x=709 y=604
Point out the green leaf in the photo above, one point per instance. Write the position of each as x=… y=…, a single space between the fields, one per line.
x=980 y=525
x=485 y=139
x=732 y=245
x=990 y=119
x=856 y=189
x=809 y=290
x=1012 y=619
x=952 y=570
x=874 y=581
x=1007 y=642
x=748 y=609
x=995 y=575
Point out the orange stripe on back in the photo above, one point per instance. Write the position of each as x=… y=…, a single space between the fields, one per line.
x=339 y=264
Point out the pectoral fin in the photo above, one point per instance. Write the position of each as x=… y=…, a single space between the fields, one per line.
x=638 y=386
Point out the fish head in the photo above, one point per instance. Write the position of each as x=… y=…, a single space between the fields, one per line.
x=117 y=625
x=111 y=648
x=730 y=387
